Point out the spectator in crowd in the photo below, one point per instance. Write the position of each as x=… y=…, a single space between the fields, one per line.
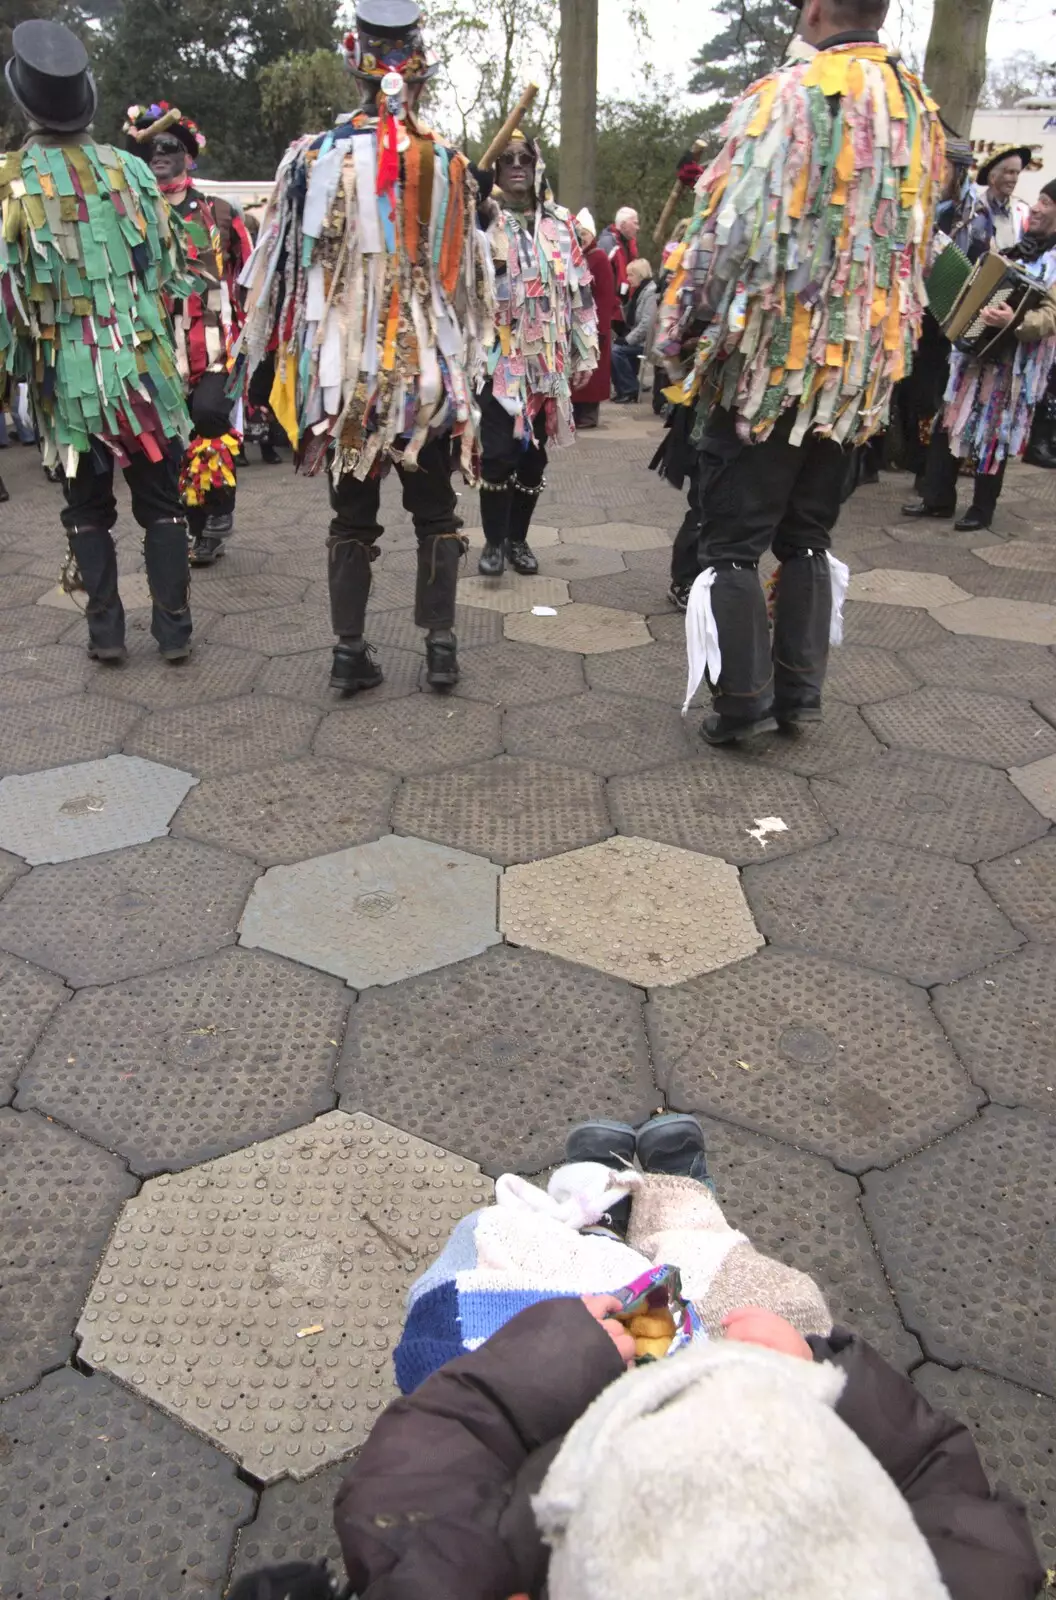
x=989 y=213
x=620 y=243
x=628 y=352
x=586 y=402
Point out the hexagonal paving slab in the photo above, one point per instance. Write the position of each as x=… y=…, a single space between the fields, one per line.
x=956 y=808
x=500 y=1055
x=262 y=591
x=112 y=916
x=540 y=537
x=307 y=677
x=621 y=535
x=59 y=1197
x=1037 y=780
x=655 y=674
x=1001 y=1023
x=889 y=627
x=888 y=586
x=378 y=913
x=991 y=666
x=294 y=1522
x=28 y=1000
x=1025 y=620
x=227 y=735
x=510 y=674
x=640 y=910
x=101 y=1495
x=291 y=811
x=586 y=629
x=644 y=592
x=797 y=1208
x=334 y=1220
x=1013 y=1430
x=512 y=592
x=132 y=587
x=720 y=806
x=41 y=672
x=214 y=672
x=10 y=869
x=601 y=732
x=184 y=1065
x=418 y=735
x=841 y=740
x=507 y=809
x=965 y=1231
x=27 y=626
x=1024 y=885
x=79 y=729
x=20 y=591
x=275 y=633
x=88 y=808
x=863 y=674
x=900 y=911
x=835 y=1059
x=474 y=625
x=955 y=722
x=1024 y=554
x=579 y=561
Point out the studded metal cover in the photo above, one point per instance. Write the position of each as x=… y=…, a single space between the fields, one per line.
x=510 y=674
x=571 y=561
x=1024 y=885
x=603 y=733
x=474 y=625
x=839 y=741
x=28 y=998
x=889 y=627
x=41 y=672
x=419 y=735
x=861 y=674
x=80 y=729
x=92 y=806
x=1025 y=620
x=258 y=1298
x=586 y=629
x=294 y=1522
x=213 y=672
x=228 y=736
x=956 y=722
x=306 y=677
x=1002 y=1023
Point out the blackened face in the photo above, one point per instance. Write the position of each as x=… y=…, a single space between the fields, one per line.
x=168 y=157
x=516 y=171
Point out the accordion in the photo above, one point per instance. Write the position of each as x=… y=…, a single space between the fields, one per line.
x=959 y=293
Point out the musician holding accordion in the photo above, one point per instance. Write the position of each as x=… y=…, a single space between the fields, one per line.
x=1000 y=317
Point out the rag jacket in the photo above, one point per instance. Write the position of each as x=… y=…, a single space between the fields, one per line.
x=208 y=321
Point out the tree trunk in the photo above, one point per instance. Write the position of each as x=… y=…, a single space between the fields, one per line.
x=955 y=65
x=579 y=103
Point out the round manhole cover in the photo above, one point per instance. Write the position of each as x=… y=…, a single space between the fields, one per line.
x=807 y=1047
x=132 y=902
x=925 y=804
x=878 y=904
x=376 y=903
x=195 y=1047
x=82 y=805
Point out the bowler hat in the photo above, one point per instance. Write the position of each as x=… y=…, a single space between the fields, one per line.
x=49 y=77
x=1023 y=151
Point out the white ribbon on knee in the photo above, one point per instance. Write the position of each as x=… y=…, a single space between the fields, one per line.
x=702 y=636
x=840 y=577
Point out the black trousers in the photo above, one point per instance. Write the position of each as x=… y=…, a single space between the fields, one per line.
x=685 y=552
x=89 y=516
x=941 y=471
x=211 y=407
x=769 y=496
x=355 y=531
x=512 y=472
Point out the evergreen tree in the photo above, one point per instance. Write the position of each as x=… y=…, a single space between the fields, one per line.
x=751 y=44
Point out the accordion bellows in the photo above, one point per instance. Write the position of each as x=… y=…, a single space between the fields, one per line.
x=959 y=293
x=947 y=278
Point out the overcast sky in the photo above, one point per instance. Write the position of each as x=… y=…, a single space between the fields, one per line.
x=679 y=27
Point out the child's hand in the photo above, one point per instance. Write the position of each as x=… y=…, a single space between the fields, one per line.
x=753 y=1325
x=601 y=1307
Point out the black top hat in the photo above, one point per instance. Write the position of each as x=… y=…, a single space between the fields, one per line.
x=1023 y=151
x=388 y=38
x=48 y=76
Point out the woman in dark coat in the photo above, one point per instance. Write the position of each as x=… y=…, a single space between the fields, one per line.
x=596 y=389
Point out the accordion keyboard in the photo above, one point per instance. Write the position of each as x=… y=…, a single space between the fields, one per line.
x=1000 y=297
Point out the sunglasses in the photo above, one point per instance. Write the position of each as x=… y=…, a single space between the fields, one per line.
x=165 y=145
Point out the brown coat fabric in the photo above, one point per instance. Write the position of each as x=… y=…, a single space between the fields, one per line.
x=437 y=1506
x=1040 y=323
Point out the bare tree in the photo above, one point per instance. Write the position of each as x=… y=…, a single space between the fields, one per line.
x=955 y=65
x=488 y=55
x=1019 y=76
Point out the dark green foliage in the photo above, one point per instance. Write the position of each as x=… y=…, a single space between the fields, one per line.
x=751 y=44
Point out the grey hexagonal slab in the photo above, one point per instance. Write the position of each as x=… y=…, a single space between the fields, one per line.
x=226 y=736
x=294 y=1522
x=965 y=1231
x=644 y=592
x=589 y=630
x=183 y=1065
x=1001 y=1023
x=720 y=806
x=601 y=732
x=334 y=1220
x=214 y=672
x=619 y=535
x=418 y=735
x=230 y=592
x=31 y=625
x=863 y=674
x=28 y=999
x=889 y=586
x=275 y=633
x=79 y=729
x=510 y=674
x=991 y=666
x=41 y=672
x=500 y=1055
x=512 y=592
x=59 y=1197
x=112 y=916
x=307 y=677
x=832 y=1058
x=1037 y=780
x=1024 y=554
x=889 y=627
x=1013 y=1430
x=85 y=809
x=578 y=560
x=1001 y=619
x=378 y=913
x=474 y=625
x=655 y=674
x=900 y=911
x=840 y=740
x=290 y=811
x=1024 y=885
x=797 y=1208
x=507 y=809
x=638 y=909
x=100 y=1495
x=926 y=802
x=956 y=722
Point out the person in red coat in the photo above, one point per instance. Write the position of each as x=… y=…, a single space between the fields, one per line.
x=588 y=400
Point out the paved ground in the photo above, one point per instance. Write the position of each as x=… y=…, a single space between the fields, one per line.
x=284 y=983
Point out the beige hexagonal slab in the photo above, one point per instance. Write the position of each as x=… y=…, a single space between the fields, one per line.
x=1024 y=620
x=132 y=587
x=539 y=536
x=1027 y=554
x=887 y=586
x=378 y=912
x=618 y=535
x=647 y=912
x=590 y=630
x=1038 y=783
x=511 y=592
x=215 y=1277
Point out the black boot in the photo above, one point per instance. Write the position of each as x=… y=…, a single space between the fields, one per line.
x=975 y=519
x=522 y=557
x=610 y=1144
x=918 y=510
x=441 y=659
x=93 y=551
x=355 y=667
x=673 y=1144
x=269 y=455
x=802 y=620
x=496 y=505
x=718 y=728
x=169 y=578
x=205 y=547
x=292 y=1580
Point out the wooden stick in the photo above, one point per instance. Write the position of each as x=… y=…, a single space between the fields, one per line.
x=660 y=231
x=509 y=128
